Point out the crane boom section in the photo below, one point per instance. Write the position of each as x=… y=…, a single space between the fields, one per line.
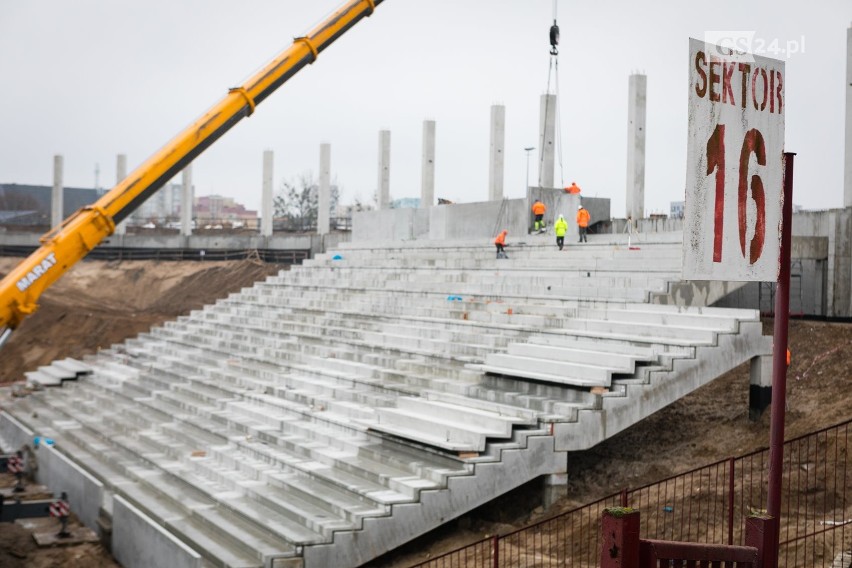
x=68 y=243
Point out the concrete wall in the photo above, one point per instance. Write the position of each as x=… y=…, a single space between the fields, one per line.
x=13 y=434
x=138 y=542
x=224 y=241
x=465 y=221
x=58 y=473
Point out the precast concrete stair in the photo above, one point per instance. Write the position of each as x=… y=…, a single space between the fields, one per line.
x=57 y=372
x=344 y=407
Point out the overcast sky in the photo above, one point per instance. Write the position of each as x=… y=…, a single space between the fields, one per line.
x=90 y=79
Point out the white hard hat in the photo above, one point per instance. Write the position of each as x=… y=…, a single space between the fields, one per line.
x=579 y=207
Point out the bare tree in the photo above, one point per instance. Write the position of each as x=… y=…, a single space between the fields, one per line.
x=298 y=202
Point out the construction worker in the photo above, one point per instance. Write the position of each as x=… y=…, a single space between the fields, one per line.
x=15 y=466
x=500 y=243
x=583 y=219
x=560 y=228
x=573 y=189
x=538 y=210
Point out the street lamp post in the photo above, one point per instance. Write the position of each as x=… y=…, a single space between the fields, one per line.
x=527 y=179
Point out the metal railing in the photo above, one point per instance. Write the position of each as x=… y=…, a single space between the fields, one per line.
x=705 y=505
x=275 y=256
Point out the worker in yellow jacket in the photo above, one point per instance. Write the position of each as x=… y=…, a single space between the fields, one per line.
x=560 y=228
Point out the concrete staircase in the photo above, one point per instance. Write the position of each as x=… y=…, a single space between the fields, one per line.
x=340 y=409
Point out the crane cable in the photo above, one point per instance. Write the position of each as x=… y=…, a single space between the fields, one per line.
x=553 y=69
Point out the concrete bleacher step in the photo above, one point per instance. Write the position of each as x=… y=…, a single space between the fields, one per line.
x=57 y=372
x=587 y=354
x=444 y=425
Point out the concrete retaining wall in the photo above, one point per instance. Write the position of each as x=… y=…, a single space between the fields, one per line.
x=470 y=221
x=225 y=241
x=13 y=434
x=139 y=542
x=58 y=473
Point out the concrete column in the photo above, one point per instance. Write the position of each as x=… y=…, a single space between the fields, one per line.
x=496 y=153
x=384 y=169
x=324 y=199
x=120 y=174
x=847 y=192
x=555 y=488
x=186 y=203
x=56 y=201
x=636 y=146
x=546 y=140
x=427 y=176
x=267 y=207
x=759 y=386
x=830 y=271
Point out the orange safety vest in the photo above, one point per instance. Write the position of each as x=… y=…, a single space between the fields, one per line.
x=501 y=238
x=583 y=218
x=572 y=189
x=538 y=208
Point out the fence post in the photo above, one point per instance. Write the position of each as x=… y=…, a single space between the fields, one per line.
x=761 y=533
x=495 y=551
x=620 y=538
x=731 y=476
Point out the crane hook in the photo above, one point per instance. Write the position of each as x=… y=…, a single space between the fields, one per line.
x=554 y=39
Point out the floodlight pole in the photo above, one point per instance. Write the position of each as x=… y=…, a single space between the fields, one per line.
x=779 y=359
x=527 y=180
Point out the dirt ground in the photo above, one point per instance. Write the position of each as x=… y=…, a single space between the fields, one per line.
x=98 y=304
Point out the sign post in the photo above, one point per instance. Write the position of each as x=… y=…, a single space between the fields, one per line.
x=738 y=206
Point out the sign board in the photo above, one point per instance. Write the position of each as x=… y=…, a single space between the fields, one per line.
x=735 y=170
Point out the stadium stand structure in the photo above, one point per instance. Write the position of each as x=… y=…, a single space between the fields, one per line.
x=339 y=409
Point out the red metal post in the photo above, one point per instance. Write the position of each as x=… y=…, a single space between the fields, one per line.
x=779 y=358
x=731 y=473
x=762 y=533
x=495 y=551
x=619 y=539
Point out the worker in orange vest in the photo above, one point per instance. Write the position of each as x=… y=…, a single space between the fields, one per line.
x=538 y=210
x=500 y=242
x=583 y=219
x=573 y=189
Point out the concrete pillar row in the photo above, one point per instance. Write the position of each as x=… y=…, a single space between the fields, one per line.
x=186 y=203
x=427 y=177
x=496 y=153
x=636 y=103
x=547 y=140
x=120 y=174
x=324 y=198
x=266 y=201
x=384 y=169
x=56 y=199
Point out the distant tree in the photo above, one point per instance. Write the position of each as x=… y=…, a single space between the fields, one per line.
x=298 y=201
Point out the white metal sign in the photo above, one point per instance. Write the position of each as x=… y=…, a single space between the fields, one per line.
x=734 y=173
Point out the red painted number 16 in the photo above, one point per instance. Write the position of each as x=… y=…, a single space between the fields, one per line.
x=752 y=144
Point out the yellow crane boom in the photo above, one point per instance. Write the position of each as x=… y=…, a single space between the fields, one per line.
x=68 y=243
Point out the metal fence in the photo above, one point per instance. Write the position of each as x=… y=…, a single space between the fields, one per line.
x=707 y=505
x=275 y=256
